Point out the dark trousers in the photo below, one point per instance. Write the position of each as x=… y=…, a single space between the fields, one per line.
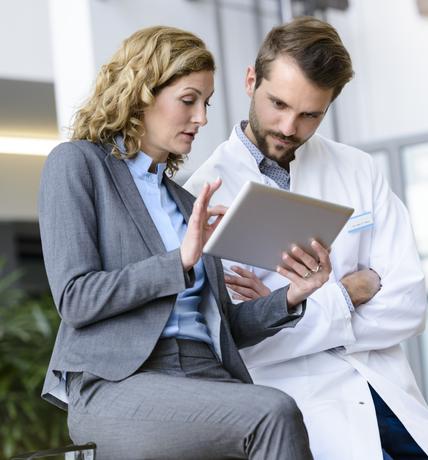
x=397 y=443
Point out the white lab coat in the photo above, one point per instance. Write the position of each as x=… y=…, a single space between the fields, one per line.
x=326 y=361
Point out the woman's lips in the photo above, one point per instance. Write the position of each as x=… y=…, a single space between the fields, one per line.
x=189 y=136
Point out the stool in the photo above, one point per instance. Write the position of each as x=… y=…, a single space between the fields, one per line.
x=83 y=452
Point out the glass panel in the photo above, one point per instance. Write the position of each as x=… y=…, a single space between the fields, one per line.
x=415 y=161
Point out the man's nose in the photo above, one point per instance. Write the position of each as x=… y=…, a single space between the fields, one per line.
x=288 y=125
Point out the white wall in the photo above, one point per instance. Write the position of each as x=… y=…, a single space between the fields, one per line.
x=112 y=21
x=25 y=47
x=387 y=39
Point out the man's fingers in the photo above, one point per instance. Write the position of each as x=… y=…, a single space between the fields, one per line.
x=243 y=291
x=240 y=297
x=239 y=281
x=243 y=272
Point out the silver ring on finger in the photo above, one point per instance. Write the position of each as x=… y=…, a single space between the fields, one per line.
x=318 y=269
x=307 y=275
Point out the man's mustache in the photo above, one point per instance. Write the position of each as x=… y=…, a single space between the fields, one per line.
x=281 y=136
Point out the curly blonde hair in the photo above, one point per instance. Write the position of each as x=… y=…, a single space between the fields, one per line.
x=147 y=61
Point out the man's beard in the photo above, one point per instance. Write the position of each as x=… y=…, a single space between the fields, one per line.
x=283 y=154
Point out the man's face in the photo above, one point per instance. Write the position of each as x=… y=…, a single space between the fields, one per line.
x=286 y=109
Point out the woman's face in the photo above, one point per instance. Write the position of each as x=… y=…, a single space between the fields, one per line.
x=173 y=120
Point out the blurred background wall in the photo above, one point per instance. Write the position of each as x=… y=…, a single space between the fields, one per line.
x=52 y=49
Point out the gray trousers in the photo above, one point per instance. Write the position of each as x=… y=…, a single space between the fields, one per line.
x=182 y=404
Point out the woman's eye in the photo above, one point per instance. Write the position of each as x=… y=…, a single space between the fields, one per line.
x=187 y=101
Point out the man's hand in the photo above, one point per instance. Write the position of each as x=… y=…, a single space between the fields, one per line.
x=361 y=285
x=198 y=228
x=306 y=273
x=246 y=286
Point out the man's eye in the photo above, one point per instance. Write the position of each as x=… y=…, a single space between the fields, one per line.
x=278 y=104
x=310 y=115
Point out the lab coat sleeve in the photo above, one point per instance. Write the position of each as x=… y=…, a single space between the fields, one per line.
x=325 y=325
x=398 y=311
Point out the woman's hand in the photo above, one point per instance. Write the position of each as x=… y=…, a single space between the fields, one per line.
x=247 y=285
x=198 y=228
x=306 y=273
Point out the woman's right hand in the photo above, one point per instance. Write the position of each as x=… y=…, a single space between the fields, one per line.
x=198 y=228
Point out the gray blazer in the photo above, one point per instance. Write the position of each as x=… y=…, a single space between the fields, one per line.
x=112 y=280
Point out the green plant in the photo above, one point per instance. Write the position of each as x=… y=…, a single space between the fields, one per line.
x=27 y=333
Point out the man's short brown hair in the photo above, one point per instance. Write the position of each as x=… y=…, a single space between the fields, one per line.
x=315 y=46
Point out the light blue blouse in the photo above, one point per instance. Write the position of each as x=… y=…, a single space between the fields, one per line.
x=185 y=322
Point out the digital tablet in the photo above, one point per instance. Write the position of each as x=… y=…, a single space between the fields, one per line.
x=263 y=221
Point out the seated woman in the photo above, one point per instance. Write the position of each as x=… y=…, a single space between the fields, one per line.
x=146 y=357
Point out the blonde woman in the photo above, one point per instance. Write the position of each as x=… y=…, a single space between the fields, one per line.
x=146 y=359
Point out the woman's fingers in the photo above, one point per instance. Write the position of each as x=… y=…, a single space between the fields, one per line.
x=207 y=192
x=306 y=272
x=199 y=206
x=301 y=262
x=323 y=255
x=290 y=275
x=306 y=259
x=296 y=266
x=218 y=210
x=213 y=187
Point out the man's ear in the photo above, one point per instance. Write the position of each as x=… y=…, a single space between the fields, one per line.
x=250 y=81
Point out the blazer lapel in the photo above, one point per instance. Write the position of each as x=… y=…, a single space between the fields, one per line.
x=183 y=199
x=131 y=197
